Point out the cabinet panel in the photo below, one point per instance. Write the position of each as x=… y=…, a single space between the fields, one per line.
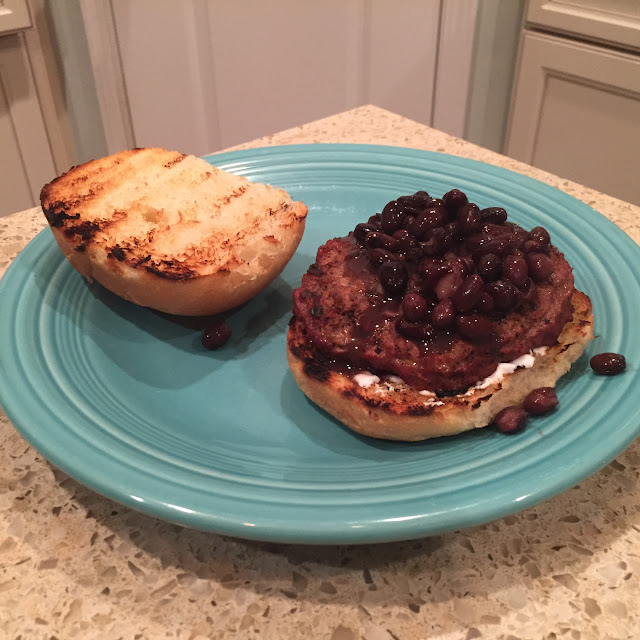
x=610 y=21
x=576 y=113
x=14 y=15
x=590 y=133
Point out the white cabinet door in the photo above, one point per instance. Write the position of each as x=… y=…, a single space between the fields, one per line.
x=576 y=113
x=206 y=75
x=14 y=16
x=611 y=21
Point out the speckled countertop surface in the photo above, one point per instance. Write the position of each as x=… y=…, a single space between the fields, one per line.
x=76 y=565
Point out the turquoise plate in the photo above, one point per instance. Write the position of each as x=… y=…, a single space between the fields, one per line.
x=127 y=402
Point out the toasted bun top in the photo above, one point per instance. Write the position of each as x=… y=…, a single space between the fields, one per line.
x=171 y=231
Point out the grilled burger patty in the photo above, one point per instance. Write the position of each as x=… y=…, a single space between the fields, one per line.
x=348 y=315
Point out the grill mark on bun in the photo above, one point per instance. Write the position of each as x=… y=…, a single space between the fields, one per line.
x=316 y=369
x=135 y=265
x=117 y=252
x=58 y=218
x=86 y=230
x=420 y=410
x=174 y=161
x=171 y=271
x=479 y=401
x=235 y=194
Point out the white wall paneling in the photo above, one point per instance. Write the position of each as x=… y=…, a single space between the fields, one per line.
x=77 y=78
x=102 y=44
x=400 y=56
x=26 y=161
x=166 y=57
x=49 y=83
x=498 y=28
x=15 y=192
x=455 y=53
x=206 y=74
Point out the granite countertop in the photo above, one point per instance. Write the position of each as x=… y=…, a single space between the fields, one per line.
x=76 y=565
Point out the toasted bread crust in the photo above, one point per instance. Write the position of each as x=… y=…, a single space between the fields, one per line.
x=172 y=232
x=393 y=411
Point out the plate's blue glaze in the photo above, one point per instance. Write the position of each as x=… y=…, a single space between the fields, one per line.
x=127 y=402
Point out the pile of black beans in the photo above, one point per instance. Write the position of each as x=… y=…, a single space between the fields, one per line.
x=471 y=264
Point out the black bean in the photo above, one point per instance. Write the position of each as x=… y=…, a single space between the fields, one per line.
x=511 y=419
x=436 y=243
x=531 y=246
x=540 y=235
x=436 y=202
x=414 y=307
x=379 y=240
x=494 y=215
x=540 y=400
x=489 y=267
x=540 y=266
x=406 y=242
x=419 y=199
x=469 y=219
x=392 y=217
x=454 y=199
x=216 y=335
x=393 y=276
x=608 y=364
x=452 y=229
x=473 y=327
x=408 y=222
x=447 y=286
x=468 y=293
x=520 y=235
x=485 y=303
x=504 y=294
x=378 y=256
x=429 y=219
x=515 y=269
x=469 y=264
x=443 y=314
x=482 y=243
x=401 y=234
x=431 y=270
x=464 y=264
x=361 y=231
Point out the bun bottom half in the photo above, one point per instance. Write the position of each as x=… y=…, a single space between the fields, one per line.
x=390 y=410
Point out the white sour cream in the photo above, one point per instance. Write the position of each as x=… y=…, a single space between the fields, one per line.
x=365 y=379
